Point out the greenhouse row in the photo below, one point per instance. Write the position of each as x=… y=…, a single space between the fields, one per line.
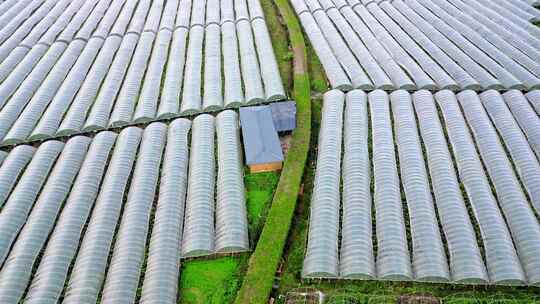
x=456 y=188
x=90 y=210
x=73 y=66
x=424 y=44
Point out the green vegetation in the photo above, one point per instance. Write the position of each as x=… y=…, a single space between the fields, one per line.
x=210 y=281
x=317 y=77
x=260 y=190
x=264 y=262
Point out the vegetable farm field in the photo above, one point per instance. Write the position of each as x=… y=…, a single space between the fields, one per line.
x=411 y=175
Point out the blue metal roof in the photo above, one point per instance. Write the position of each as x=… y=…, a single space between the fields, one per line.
x=261 y=141
x=284 y=115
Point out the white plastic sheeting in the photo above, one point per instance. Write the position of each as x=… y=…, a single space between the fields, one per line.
x=253 y=88
x=233 y=93
x=231 y=214
x=525 y=117
x=373 y=69
x=6 y=5
x=48 y=281
x=512 y=74
x=89 y=268
x=497 y=22
x=90 y=24
x=148 y=100
x=198 y=236
x=516 y=144
x=501 y=259
x=129 y=93
x=12 y=12
x=99 y=115
x=350 y=64
x=488 y=207
x=169 y=15
x=153 y=19
x=169 y=103
x=46 y=119
x=68 y=25
x=11 y=39
x=81 y=84
x=21 y=200
x=273 y=86
x=84 y=199
x=322 y=248
x=466 y=263
x=383 y=57
x=336 y=76
x=160 y=279
x=16 y=91
x=534 y=99
x=51 y=70
x=462 y=78
x=441 y=78
x=520 y=217
x=129 y=249
x=44 y=32
x=356 y=254
x=440 y=44
x=212 y=92
x=393 y=261
x=82 y=102
x=517 y=55
x=191 y=93
x=120 y=76
x=420 y=77
x=139 y=17
x=17 y=269
x=420 y=19
x=109 y=19
x=428 y=259
x=12 y=167
x=42 y=96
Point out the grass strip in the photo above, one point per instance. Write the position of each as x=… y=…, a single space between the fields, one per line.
x=209 y=281
x=264 y=261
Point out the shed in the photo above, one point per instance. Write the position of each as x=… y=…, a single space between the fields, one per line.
x=261 y=142
x=284 y=115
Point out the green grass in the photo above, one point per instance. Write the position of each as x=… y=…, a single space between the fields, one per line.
x=210 y=281
x=317 y=77
x=260 y=190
